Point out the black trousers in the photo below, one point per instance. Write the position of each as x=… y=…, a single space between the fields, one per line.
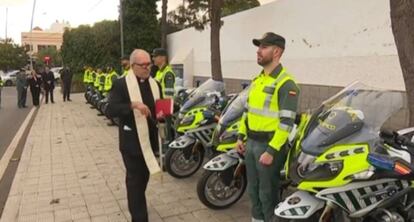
x=49 y=91
x=137 y=177
x=35 y=95
x=66 y=90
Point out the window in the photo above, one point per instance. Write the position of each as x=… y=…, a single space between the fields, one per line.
x=41 y=47
x=178 y=70
x=179 y=73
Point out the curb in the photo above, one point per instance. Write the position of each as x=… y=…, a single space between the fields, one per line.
x=4 y=162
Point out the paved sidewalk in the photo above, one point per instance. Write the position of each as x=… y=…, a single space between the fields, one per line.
x=71 y=170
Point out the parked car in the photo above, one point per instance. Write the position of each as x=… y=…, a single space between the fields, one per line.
x=9 y=78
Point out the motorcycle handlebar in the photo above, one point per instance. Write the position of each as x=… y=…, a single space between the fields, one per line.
x=395 y=138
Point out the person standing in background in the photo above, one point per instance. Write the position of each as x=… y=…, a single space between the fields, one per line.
x=35 y=81
x=66 y=77
x=48 y=84
x=21 y=86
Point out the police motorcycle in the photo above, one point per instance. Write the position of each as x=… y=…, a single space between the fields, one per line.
x=98 y=96
x=344 y=169
x=224 y=180
x=223 y=183
x=92 y=89
x=196 y=122
x=88 y=92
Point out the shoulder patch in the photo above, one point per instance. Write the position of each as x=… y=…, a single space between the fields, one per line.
x=292 y=93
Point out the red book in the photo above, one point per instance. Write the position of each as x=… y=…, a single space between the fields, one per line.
x=164 y=108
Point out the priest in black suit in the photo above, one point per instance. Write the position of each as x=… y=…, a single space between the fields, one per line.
x=120 y=106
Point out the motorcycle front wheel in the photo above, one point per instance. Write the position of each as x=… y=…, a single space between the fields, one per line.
x=215 y=194
x=180 y=166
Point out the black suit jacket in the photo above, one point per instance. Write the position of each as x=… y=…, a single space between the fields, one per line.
x=48 y=80
x=120 y=106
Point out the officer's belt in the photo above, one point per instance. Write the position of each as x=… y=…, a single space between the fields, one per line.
x=260 y=136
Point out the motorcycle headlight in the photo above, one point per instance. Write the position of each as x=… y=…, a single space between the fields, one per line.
x=188 y=120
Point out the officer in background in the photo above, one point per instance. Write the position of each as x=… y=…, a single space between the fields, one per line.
x=92 y=76
x=109 y=79
x=97 y=79
x=21 y=87
x=165 y=75
x=266 y=124
x=86 y=76
x=125 y=66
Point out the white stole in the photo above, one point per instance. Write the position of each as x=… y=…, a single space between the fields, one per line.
x=141 y=120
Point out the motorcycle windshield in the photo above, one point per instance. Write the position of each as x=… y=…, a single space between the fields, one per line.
x=199 y=97
x=234 y=109
x=354 y=115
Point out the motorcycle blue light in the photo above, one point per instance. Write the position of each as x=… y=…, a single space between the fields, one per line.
x=380 y=162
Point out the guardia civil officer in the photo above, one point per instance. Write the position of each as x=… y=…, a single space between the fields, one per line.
x=165 y=74
x=271 y=110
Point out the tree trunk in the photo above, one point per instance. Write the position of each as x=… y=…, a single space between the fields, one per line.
x=164 y=24
x=215 y=15
x=402 y=21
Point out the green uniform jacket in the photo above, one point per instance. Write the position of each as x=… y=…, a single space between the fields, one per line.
x=166 y=77
x=271 y=107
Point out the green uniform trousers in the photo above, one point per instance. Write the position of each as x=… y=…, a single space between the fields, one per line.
x=263 y=181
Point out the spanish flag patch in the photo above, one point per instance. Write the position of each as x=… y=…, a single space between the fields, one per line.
x=292 y=93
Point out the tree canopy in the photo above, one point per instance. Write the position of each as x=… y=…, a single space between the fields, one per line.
x=141 y=27
x=53 y=53
x=196 y=13
x=12 y=56
x=95 y=46
x=99 y=45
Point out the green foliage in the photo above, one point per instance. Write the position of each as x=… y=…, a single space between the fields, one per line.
x=99 y=45
x=141 y=28
x=55 y=57
x=196 y=13
x=12 y=56
x=96 y=46
x=233 y=6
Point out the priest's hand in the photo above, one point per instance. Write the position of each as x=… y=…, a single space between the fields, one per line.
x=142 y=108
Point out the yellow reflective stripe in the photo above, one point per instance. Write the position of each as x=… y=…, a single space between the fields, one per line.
x=268 y=98
x=261 y=112
x=287 y=114
x=285 y=127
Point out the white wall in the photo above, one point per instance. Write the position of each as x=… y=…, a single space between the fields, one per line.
x=329 y=42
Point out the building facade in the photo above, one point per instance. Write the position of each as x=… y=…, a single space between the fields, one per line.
x=41 y=39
